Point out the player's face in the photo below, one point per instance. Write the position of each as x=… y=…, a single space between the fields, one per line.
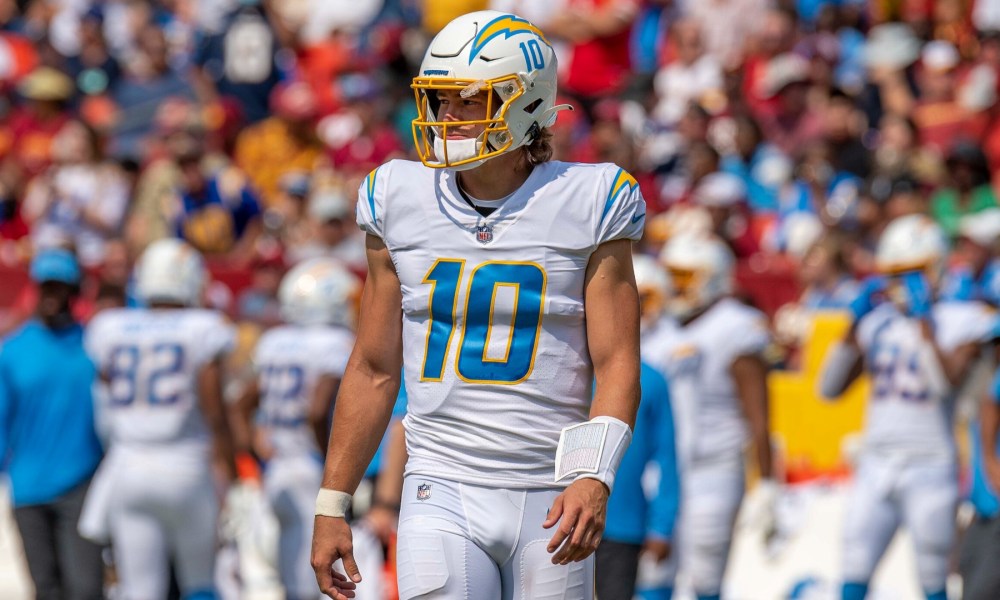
x=453 y=107
x=54 y=302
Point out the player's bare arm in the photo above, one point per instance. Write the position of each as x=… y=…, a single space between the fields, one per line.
x=612 y=311
x=214 y=410
x=363 y=408
x=241 y=415
x=319 y=408
x=750 y=374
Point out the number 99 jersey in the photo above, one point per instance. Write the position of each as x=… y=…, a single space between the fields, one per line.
x=494 y=341
x=150 y=361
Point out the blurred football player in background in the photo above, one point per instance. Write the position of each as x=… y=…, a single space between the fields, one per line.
x=505 y=280
x=712 y=355
x=284 y=416
x=641 y=521
x=917 y=351
x=171 y=453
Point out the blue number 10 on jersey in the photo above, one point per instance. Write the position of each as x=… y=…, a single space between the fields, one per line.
x=474 y=363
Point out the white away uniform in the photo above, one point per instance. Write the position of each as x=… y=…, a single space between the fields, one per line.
x=907 y=472
x=290 y=361
x=711 y=433
x=162 y=502
x=495 y=365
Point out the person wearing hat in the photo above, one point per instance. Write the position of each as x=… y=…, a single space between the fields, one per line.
x=46 y=93
x=47 y=434
x=723 y=195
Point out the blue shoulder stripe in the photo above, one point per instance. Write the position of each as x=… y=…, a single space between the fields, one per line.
x=621 y=181
x=370 y=186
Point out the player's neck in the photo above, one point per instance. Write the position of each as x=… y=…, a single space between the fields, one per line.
x=496 y=178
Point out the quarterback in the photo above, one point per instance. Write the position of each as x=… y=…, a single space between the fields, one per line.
x=501 y=283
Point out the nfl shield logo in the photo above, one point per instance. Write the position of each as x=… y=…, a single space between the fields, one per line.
x=484 y=234
x=423 y=491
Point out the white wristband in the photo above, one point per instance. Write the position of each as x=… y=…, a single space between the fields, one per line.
x=592 y=450
x=331 y=503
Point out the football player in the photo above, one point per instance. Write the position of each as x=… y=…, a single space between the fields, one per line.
x=299 y=366
x=711 y=353
x=917 y=351
x=505 y=280
x=167 y=425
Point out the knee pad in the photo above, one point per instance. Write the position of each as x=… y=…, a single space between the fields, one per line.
x=421 y=560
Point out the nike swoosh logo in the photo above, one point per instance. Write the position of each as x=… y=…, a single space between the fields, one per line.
x=636 y=218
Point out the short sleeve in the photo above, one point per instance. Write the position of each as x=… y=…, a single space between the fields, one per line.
x=332 y=359
x=751 y=337
x=216 y=338
x=623 y=211
x=94 y=336
x=370 y=210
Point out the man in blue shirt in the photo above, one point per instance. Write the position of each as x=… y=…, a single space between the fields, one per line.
x=635 y=524
x=981 y=542
x=48 y=445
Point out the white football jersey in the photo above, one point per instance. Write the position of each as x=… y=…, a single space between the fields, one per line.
x=494 y=339
x=909 y=411
x=152 y=358
x=695 y=359
x=290 y=360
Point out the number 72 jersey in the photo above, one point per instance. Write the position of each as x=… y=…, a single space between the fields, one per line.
x=150 y=361
x=494 y=341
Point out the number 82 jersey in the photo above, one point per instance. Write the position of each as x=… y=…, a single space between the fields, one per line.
x=494 y=339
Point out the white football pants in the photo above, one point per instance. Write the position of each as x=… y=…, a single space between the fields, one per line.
x=459 y=541
x=922 y=496
x=710 y=500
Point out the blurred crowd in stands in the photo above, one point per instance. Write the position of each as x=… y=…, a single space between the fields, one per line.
x=793 y=128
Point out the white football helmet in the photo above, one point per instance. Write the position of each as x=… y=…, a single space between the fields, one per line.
x=320 y=291
x=653 y=285
x=700 y=269
x=485 y=50
x=170 y=271
x=912 y=243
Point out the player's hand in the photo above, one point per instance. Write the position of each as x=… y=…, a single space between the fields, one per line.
x=332 y=540
x=760 y=510
x=656 y=548
x=580 y=512
x=868 y=297
x=382 y=520
x=918 y=294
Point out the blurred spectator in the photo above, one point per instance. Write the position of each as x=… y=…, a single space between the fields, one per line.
x=967 y=189
x=825 y=276
x=46 y=92
x=360 y=136
x=93 y=69
x=775 y=37
x=79 y=201
x=148 y=83
x=938 y=116
x=698 y=161
x=891 y=52
x=727 y=25
x=762 y=167
x=598 y=61
x=259 y=303
x=974 y=272
x=723 y=195
x=843 y=125
x=283 y=143
x=47 y=434
x=335 y=234
x=794 y=123
x=217 y=214
x=693 y=76
x=240 y=62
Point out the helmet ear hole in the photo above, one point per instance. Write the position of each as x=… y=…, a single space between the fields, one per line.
x=531 y=108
